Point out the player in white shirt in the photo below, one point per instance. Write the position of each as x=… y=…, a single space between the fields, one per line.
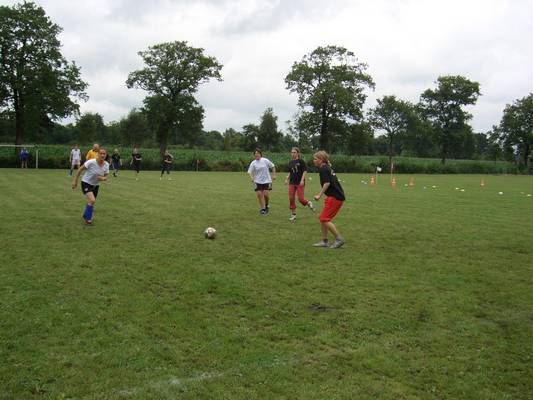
x=259 y=171
x=96 y=171
x=75 y=158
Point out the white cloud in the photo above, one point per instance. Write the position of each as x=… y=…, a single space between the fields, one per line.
x=407 y=44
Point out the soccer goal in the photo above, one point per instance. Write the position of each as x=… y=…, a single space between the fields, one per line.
x=19 y=148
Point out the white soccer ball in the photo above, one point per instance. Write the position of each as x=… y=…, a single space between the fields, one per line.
x=210 y=233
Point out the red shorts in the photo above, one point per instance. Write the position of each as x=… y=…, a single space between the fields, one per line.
x=331 y=208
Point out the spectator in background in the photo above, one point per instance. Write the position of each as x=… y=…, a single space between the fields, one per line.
x=24 y=157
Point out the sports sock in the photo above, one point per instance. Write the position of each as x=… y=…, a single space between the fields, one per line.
x=88 y=214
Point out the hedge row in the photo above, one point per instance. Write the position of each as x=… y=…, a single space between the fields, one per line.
x=56 y=157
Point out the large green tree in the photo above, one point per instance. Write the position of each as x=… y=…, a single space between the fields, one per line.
x=330 y=84
x=393 y=117
x=90 y=128
x=517 y=126
x=36 y=82
x=443 y=106
x=268 y=136
x=134 y=129
x=172 y=75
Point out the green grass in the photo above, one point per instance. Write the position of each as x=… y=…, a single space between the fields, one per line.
x=430 y=298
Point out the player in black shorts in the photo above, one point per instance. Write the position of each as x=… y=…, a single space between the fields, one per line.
x=136 y=162
x=116 y=162
x=166 y=163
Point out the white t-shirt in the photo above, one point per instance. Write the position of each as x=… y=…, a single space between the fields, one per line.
x=93 y=171
x=260 y=170
x=75 y=155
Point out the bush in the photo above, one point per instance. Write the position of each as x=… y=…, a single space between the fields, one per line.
x=57 y=156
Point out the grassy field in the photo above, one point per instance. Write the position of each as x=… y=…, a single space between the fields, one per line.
x=431 y=297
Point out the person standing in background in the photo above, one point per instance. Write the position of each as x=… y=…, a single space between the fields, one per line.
x=75 y=158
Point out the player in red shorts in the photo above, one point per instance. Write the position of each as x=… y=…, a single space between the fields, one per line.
x=331 y=187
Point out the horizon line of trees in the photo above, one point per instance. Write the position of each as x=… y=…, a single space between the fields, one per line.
x=38 y=87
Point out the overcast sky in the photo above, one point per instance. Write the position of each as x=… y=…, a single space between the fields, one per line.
x=407 y=44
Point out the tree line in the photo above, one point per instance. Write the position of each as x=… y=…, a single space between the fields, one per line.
x=39 y=87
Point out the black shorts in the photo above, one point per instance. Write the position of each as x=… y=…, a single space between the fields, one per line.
x=262 y=186
x=86 y=188
x=137 y=166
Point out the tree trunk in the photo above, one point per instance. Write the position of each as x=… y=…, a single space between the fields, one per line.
x=19 y=120
x=526 y=154
x=324 y=132
x=390 y=148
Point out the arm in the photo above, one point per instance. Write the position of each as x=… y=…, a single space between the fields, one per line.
x=274 y=176
x=325 y=187
x=302 y=182
x=102 y=178
x=76 y=177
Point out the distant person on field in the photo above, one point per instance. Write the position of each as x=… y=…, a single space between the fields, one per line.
x=331 y=187
x=116 y=162
x=96 y=171
x=166 y=164
x=296 y=181
x=24 y=157
x=136 y=159
x=93 y=153
x=75 y=158
x=259 y=171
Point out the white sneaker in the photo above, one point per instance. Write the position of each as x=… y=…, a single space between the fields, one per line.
x=322 y=243
x=311 y=206
x=292 y=218
x=339 y=242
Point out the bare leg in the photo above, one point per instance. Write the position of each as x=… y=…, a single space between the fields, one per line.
x=261 y=199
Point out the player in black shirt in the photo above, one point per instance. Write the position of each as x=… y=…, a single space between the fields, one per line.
x=136 y=162
x=331 y=187
x=296 y=181
x=166 y=164
x=116 y=162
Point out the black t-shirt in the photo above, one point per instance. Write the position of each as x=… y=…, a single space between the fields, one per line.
x=296 y=170
x=116 y=158
x=167 y=159
x=335 y=188
x=136 y=157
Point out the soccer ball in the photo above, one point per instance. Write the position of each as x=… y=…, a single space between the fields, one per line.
x=210 y=233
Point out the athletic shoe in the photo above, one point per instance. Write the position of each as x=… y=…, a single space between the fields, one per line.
x=337 y=243
x=311 y=206
x=87 y=221
x=292 y=218
x=322 y=243
x=262 y=211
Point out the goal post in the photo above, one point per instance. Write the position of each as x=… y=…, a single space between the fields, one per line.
x=25 y=146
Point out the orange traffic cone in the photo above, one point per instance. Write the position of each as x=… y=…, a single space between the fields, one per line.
x=411 y=181
x=393 y=182
x=482 y=183
x=372 y=180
